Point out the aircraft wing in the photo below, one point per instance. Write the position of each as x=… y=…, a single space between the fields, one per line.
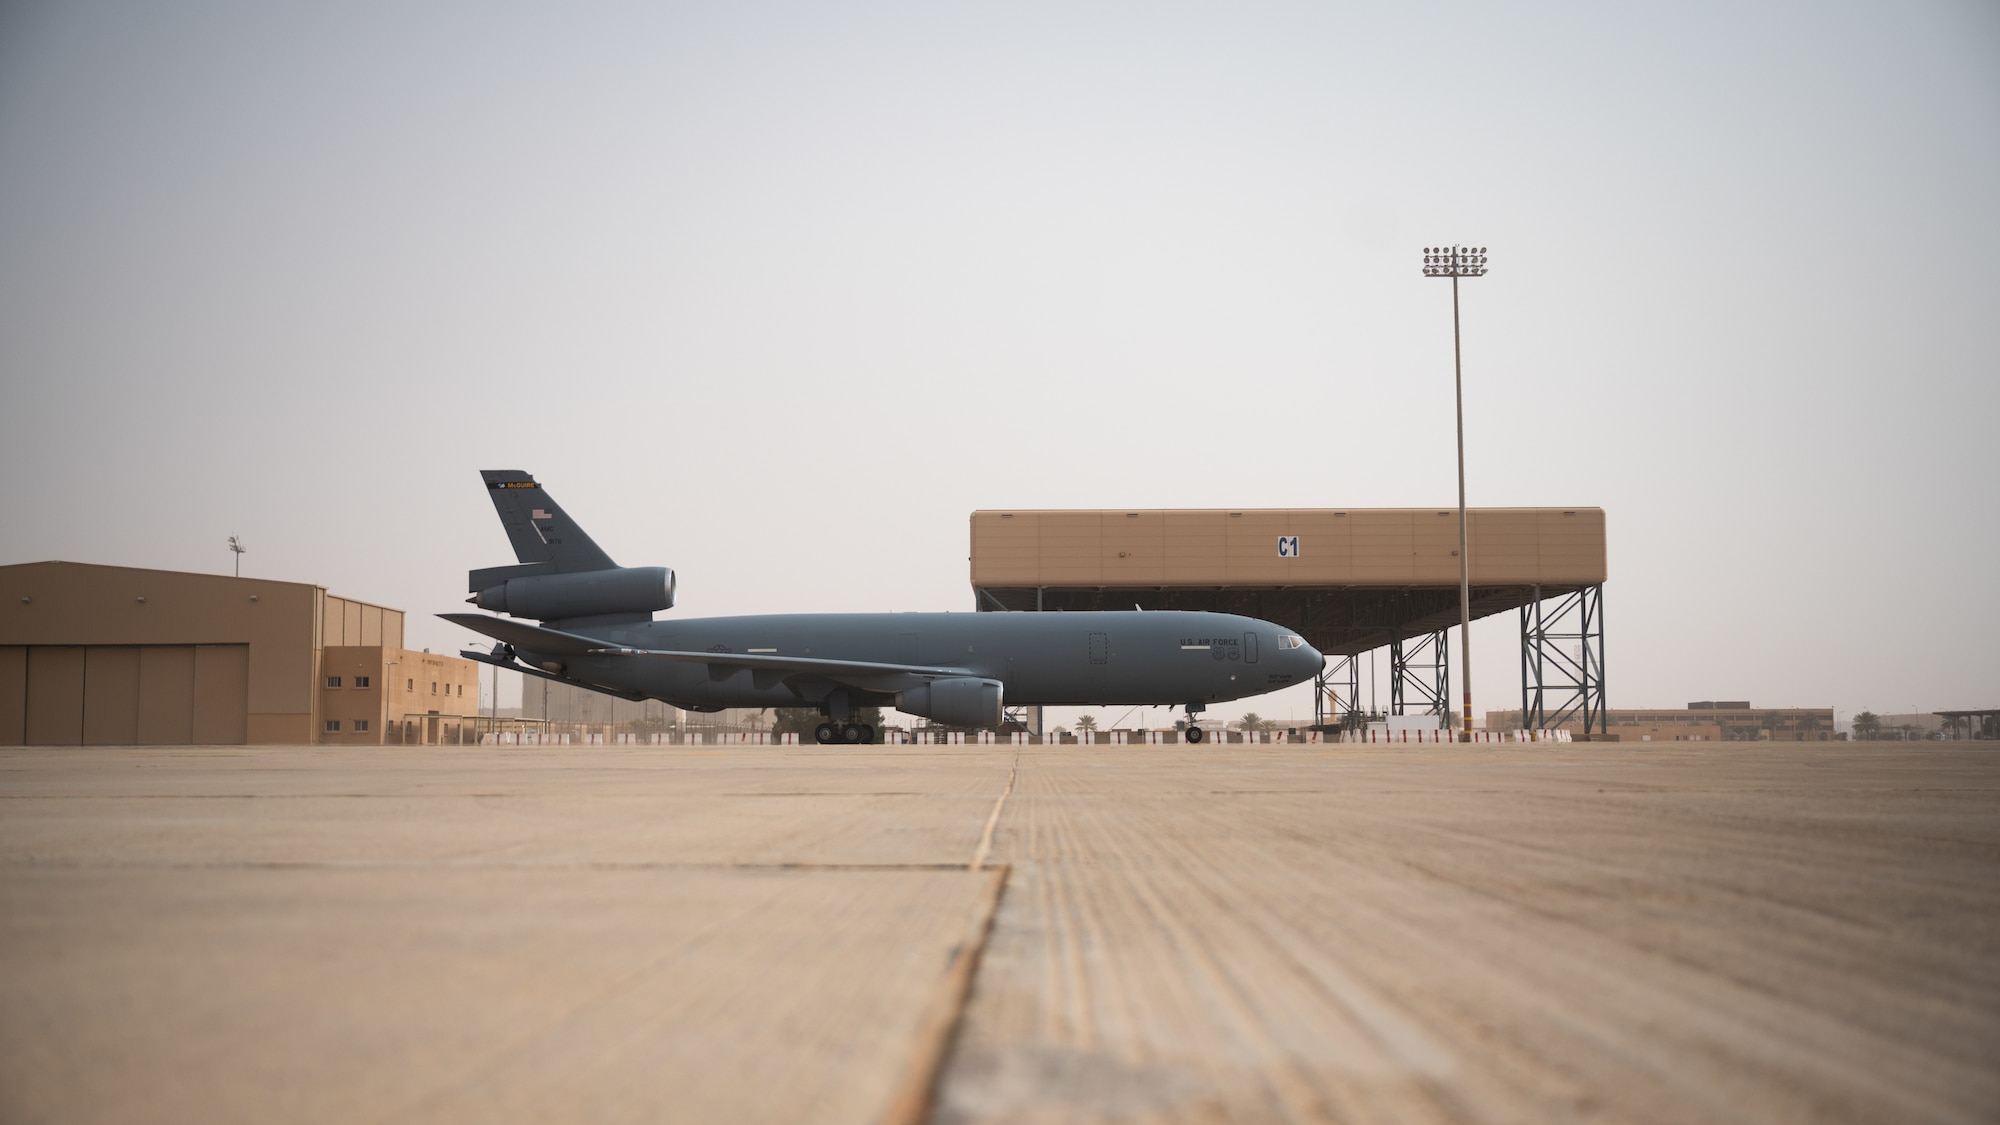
x=553 y=641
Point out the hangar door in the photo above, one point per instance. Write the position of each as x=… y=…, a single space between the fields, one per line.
x=121 y=695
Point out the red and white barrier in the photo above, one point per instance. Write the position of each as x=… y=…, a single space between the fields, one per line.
x=1379 y=737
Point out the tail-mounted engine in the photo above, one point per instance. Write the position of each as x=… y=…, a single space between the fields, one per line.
x=594 y=593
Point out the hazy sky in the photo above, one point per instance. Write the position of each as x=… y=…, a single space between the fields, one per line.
x=778 y=294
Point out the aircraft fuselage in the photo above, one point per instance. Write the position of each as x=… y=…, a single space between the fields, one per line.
x=1155 y=658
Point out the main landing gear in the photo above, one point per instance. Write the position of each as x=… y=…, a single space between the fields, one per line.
x=837 y=730
x=852 y=734
x=1191 y=732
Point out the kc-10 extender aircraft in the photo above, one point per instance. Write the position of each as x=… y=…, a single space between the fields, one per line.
x=597 y=631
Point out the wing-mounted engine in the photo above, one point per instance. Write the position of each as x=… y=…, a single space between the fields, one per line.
x=956 y=702
x=630 y=592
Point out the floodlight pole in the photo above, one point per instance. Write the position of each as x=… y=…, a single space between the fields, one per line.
x=238 y=548
x=1456 y=262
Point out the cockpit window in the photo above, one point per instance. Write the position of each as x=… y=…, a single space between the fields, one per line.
x=1286 y=640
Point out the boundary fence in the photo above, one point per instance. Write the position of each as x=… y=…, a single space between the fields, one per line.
x=991 y=738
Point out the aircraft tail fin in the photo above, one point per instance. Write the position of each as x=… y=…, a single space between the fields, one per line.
x=543 y=535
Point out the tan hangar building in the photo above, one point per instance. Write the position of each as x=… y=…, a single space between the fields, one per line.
x=110 y=655
x=1350 y=579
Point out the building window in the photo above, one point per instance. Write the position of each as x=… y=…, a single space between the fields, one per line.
x=434 y=687
x=333 y=726
x=360 y=681
x=333 y=681
x=361 y=726
x=461 y=691
x=409 y=685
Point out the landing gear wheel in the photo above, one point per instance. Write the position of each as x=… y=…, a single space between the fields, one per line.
x=867 y=734
x=827 y=734
x=850 y=733
x=1193 y=733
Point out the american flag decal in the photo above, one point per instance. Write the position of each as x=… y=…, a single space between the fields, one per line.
x=538 y=514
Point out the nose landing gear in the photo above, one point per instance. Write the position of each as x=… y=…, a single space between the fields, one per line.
x=1191 y=732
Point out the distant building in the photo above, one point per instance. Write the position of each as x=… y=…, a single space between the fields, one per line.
x=1919 y=724
x=549 y=701
x=552 y=702
x=1982 y=723
x=1707 y=721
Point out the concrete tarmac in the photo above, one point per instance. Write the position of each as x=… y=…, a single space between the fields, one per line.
x=1659 y=932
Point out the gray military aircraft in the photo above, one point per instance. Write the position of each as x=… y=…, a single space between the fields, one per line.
x=597 y=631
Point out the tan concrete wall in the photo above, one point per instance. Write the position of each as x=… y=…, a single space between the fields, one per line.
x=55 y=695
x=345 y=622
x=1337 y=547
x=13 y=694
x=166 y=695
x=111 y=695
x=429 y=681
x=221 y=694
x=349 y=700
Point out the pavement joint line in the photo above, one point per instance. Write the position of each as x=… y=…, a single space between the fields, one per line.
x=916 y=1094
x=483 y=865
x=993 y=819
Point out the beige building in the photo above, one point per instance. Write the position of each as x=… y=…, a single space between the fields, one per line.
x=377 y=694
x=1708 y=721
x=110 y=655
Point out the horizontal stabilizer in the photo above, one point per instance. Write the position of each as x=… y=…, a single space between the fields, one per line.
x=520 y=634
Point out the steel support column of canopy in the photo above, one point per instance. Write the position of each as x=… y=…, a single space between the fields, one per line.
x=1337 y=698
x=1028 y=717
x=1420 y=677
x=1562 y=661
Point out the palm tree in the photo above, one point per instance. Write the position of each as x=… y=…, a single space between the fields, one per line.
x=1249 y=722
x=1086 y=724
x=1867 y=725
